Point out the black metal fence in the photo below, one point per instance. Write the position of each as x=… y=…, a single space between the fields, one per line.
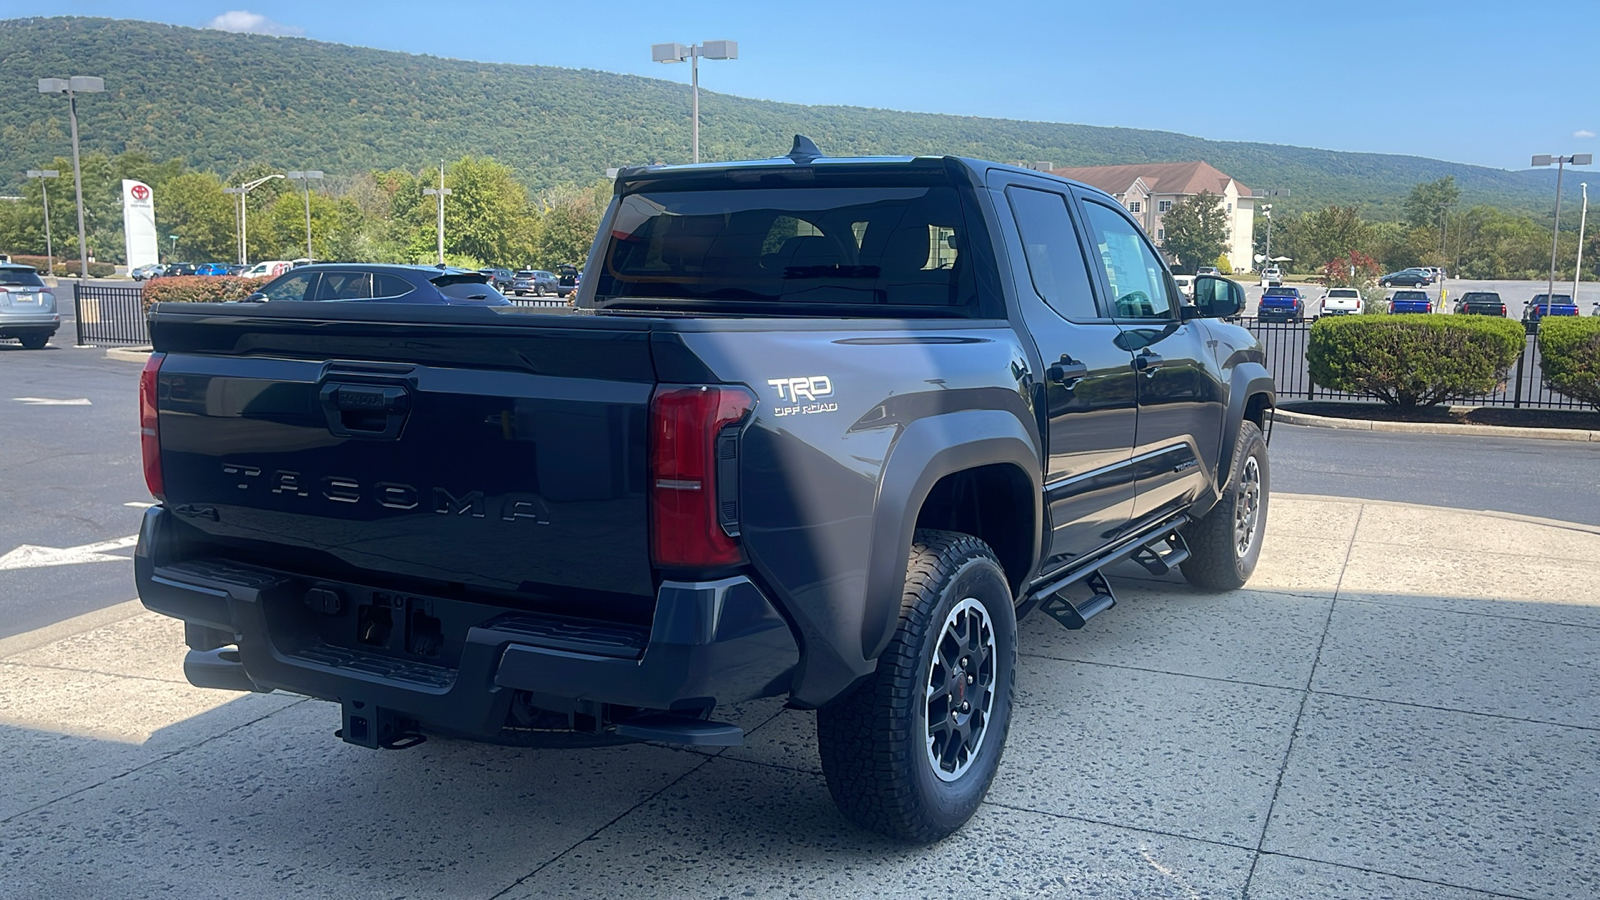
x=109 y=315
x=1285 y=347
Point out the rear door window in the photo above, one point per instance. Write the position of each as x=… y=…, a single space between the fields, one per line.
x=344 y=286
x=388 y=287
x=1054 y=255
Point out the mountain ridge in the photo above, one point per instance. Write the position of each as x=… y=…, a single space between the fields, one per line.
x=222 y=101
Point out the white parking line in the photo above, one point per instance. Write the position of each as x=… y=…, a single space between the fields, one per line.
x=29 y=556
x=46 y=401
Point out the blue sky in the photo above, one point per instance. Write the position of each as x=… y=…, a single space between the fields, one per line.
x=1463 y=81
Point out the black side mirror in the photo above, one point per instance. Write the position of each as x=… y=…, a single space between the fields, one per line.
x=256 y=297
x=1216 y=298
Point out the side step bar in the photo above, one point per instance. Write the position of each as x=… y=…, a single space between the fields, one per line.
x=1075 y=615
x=1157 y=562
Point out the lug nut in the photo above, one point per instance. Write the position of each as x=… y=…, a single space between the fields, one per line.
x=971 y=679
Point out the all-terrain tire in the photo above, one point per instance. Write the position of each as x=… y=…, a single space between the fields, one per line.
x=875 y=740
x=1225 y=544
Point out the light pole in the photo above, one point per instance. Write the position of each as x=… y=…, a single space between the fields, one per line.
x=72 y=87
x=441 y=192
x=244 y=215
x=675 y=53
x=174 y=251
x=305 y=178
x=238 y=223
x=50 y=252
x=1583 y=221
x=1577 y=159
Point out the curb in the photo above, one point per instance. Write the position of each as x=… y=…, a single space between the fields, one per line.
x=129 y=354
x=1288 y=417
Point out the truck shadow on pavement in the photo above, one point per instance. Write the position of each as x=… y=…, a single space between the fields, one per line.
x=1311 y=733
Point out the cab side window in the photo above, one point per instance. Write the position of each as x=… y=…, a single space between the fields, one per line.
x=1055 y=258
x=1139 y=284
x=291 y=288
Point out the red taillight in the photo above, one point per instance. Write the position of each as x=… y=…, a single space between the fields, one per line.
x=693 y=506
x=149 y=428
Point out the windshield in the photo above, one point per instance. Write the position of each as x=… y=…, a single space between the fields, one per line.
x=20 y=278
x=796 y=247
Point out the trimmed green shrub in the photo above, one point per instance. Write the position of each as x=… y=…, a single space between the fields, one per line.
x=1410 y=361
x=1223 y=265
x=199 y=289
x=1569 y=353
x=70 y=268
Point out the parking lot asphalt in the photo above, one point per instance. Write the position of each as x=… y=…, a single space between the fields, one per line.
x=1373 y=716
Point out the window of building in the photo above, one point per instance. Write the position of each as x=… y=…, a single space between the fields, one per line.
x=1135 y=206
x=1161 y=234
x=1230 y=209
x=1164 y=206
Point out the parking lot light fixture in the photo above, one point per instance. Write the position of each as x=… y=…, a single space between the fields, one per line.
x=49 y=248
x=71 y=88
x=674 y=53
x=244 y=215
x=1560 y=162
x=1583 y=222
x=305 y=178
x=441 y=192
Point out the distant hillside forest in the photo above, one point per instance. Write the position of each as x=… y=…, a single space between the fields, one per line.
x=226 y=102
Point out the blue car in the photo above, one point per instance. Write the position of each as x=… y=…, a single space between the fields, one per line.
x=375 y=282
x=211 y=269
x=1283 y=304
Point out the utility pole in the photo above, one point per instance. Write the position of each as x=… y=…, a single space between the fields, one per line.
x=441 y=192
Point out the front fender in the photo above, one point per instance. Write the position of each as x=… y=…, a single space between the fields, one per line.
x=1246 y=380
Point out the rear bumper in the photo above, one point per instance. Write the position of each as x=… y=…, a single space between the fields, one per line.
x=13 y=324
x=710 y=643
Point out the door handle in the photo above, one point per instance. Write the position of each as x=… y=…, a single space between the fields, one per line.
x=373 y=411
x=1148 y=362
x=1067 y=371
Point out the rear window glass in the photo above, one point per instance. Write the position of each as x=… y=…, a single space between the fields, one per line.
x=1344 y=292
x=1475 y=297
x=1281 y=292
x=20 y=278
x=798 y=248
x=465 y=287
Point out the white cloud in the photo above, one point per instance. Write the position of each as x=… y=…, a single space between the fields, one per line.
x=1583 y=133
x=241 y=21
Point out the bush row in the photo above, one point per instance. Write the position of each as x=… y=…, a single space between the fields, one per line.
x=1569 y=350
x=199 y=289
x=1412 y=361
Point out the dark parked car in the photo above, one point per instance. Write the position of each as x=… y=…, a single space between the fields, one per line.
x=537 y=282
x=176 y=269
x=1282 y=303
x=1410 y=302
x=1547 y=305
x=500 y=278
x=211 y=269
x=778 y=450
x=381 y=283
x=27 y=307
x=1481 y=303
x=1407 y=277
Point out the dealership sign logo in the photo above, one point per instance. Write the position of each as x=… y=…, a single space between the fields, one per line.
x=140 y=192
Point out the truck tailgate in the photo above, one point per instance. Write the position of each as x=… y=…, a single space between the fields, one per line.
x=462 y=447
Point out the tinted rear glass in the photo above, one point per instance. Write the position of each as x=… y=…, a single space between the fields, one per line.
x=468 y=286
x=1476 y=297
x=1280 y=292
x=897 y=247
x=20 y=278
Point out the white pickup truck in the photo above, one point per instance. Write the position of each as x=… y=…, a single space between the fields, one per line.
x=1343 y=301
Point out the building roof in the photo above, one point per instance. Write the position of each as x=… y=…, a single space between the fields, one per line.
x=1160 y=178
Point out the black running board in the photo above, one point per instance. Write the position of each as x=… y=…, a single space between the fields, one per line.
x=671 y=729
x=1075 y=615
x=1159 y=562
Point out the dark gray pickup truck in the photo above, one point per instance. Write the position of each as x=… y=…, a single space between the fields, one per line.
x=818 y=428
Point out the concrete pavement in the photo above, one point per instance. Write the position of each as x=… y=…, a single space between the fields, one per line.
x=1395 y=707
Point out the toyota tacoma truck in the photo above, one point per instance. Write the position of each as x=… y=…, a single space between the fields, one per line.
x=817 y=428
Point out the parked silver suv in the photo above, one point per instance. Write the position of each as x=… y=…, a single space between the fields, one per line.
x=27 y=307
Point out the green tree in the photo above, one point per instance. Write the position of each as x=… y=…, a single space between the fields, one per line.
x=486 y=215
x=1331 y=233
x=1429 y=202
x=1197 y=230
x=193 y=207
x=567 y=228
